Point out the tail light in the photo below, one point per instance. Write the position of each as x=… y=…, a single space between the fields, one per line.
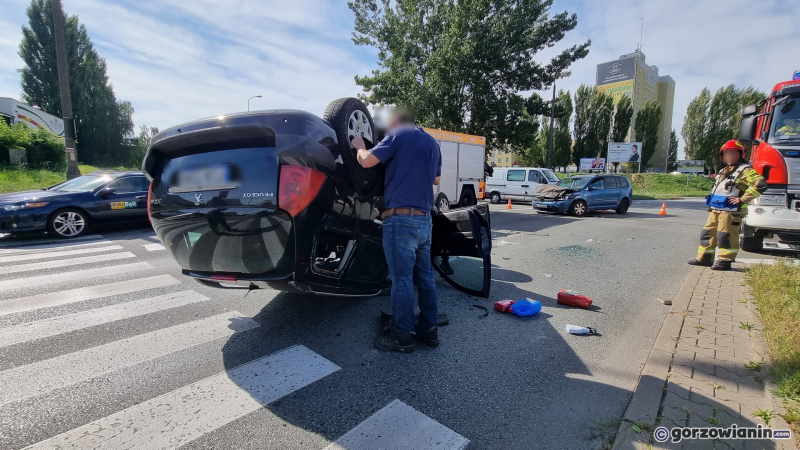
x=149 y=196
x=297 y=187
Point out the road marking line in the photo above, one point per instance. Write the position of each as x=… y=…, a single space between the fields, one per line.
x=57 y=254
x=399 y=426
x=62 y=246
x=84 y=319
x=188 y=413
x=86 y=293
x=18 y=283
x=44 y=376
x=153 y=247
x=66 y=262
x=47 y=241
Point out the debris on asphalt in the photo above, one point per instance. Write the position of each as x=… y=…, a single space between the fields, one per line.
x=548 y=275
x=572 y=298
x=574 y=329
x=483 y=308
x=503 y=305
x=590 y=240
x=666 y=302
x=526 y=307
x=503 y=242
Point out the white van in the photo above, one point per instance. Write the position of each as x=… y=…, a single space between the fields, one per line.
x=517 y=183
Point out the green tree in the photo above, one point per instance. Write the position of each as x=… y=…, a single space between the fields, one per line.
x=645 y=128
x=104 y=125
x=463 y=65
x=623 y=113
x=711 y=121
x=600 y=125
x=672 y=162
x=581 y=129
x=694 y=126
x=562 y=138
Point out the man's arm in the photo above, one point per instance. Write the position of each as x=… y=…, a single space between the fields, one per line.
x=437 y=180
x=364 y=157
x=754 y=185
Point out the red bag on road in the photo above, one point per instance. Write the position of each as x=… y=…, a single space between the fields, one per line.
x=503 y=305
x=572 y=298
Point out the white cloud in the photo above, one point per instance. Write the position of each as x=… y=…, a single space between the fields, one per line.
x=707 y=43
x=177 y=60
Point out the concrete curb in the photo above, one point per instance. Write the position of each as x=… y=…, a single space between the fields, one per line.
x=646 y=399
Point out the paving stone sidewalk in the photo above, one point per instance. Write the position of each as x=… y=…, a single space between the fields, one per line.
x=697 y=374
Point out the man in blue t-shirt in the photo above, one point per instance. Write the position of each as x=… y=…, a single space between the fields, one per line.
x=413 y=166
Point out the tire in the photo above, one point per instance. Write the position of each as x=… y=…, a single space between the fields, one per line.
x=624 y=204
x=442 y=203
x=349 y=118
x=68 y=223
x=496 y=198
x=578 y=208
x=754 y=243
x=467 y=198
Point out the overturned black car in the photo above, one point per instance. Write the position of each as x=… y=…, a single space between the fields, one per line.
x=276 y=198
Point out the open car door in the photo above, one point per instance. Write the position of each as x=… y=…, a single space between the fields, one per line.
x=461 y=248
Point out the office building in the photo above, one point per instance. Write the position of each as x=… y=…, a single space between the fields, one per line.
x=631 y=76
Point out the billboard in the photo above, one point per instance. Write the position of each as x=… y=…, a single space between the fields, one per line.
x=624 y=152
x=592 y=164
x=618 y=90
x=616 y=71
x=691 y=165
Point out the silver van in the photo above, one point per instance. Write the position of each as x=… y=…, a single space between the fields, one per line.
x=517 y=183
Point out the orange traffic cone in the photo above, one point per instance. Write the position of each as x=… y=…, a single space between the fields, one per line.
x=509 y=204
x=663 y=209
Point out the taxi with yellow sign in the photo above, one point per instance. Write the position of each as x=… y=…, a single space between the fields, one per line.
x=66 y=210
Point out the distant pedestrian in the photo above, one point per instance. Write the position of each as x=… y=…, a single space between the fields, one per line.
x=413 y=166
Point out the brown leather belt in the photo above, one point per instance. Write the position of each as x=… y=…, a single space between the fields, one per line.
x=402 y=212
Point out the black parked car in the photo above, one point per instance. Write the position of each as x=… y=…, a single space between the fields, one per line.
x=276 y=198
x=68 y=209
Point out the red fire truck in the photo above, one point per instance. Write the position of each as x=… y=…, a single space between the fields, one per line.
x=773 y=127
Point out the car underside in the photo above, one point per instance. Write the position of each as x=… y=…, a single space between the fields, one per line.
x=277 y=199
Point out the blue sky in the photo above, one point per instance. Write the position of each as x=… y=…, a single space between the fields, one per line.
x=179 y=60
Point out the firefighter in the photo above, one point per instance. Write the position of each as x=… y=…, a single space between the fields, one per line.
x=735 y=185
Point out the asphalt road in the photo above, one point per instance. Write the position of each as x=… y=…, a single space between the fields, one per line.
x=104 y=342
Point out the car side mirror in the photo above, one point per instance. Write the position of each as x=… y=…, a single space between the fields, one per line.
x=108 y=191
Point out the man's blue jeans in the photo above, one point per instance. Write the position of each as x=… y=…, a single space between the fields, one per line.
x=407 y=245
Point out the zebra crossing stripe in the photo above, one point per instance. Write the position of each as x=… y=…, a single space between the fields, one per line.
x=60 y=246
x=185 y=414
x=77 y=321
x=41 y=280
x=57 y=254
x=398 y=427
x=87 y=293
x=154 y=247
x=66 y=262
x=44 y=376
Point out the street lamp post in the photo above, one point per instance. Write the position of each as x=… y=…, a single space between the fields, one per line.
x=248 y=101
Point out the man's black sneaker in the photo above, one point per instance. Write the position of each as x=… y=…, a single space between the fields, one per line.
x=722 y=265
x=395 y=341
x=430 y=337
x=697 y=262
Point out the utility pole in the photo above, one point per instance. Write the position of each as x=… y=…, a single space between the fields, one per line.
x=63 y=87
x=550 y=136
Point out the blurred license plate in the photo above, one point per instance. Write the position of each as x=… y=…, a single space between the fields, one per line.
x=217 y=176
x=542 y=206
x=772 y=200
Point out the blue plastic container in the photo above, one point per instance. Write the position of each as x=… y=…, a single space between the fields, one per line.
x=526 y=307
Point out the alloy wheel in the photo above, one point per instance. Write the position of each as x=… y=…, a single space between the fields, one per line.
x=69 y=224
x=580 y=208
x=358 y=126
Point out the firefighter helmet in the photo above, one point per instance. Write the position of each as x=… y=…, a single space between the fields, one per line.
x=733 y=145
